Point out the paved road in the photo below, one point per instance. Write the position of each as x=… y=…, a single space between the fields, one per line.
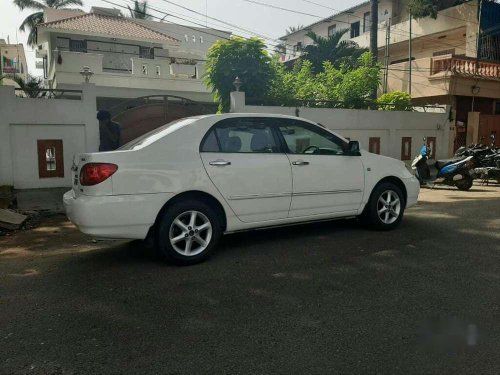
x=319 y=298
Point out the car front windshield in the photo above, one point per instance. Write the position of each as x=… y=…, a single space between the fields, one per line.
x=156 y=134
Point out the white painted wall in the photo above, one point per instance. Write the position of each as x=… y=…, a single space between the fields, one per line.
x=360 y=125
x=23 y=121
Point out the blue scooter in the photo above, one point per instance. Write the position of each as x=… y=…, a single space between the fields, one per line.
x=456 y=172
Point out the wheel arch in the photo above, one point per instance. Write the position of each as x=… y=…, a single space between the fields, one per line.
x=193 y=195
x=394 y=180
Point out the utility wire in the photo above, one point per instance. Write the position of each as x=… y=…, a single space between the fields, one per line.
x=182 y=18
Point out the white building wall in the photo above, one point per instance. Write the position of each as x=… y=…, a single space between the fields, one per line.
x=23 y=121
x=360 y=125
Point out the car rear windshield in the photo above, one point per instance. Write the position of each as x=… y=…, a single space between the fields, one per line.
x=156 y=134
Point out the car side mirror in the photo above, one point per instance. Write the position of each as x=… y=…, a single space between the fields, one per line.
x=353 y=148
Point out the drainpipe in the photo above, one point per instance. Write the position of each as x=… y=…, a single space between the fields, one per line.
x=409 y=56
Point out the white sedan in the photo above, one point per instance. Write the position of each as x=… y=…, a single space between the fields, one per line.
x=185 y=184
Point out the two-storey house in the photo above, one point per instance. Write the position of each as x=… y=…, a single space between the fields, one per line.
x=127 y=58
x=455 y=58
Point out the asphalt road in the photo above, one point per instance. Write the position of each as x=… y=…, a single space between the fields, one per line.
x=319 y=298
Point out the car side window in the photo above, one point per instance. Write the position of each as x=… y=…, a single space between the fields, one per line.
x=240 y=135
x=210 y=143
x=304 y=138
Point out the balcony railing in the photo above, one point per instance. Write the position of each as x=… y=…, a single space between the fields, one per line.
x=465 y=66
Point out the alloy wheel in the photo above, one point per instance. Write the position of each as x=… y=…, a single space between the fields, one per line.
x=388 y=207
x=190 y=233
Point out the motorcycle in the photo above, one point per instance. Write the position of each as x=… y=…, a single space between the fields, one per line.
x=456 y=172
x=489 y=166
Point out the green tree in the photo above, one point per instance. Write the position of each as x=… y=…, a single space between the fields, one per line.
x=357 y=85
x=430 y=8
x=423 y=8
x=395 y=101
x=32 y=86
x=346 y=87
x=31 y=22
x=140 y=10
x=247 y=59
x=332 y=49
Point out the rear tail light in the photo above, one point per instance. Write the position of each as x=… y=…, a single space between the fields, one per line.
x=95 y=173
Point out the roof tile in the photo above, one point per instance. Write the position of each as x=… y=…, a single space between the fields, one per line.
x=114 y=26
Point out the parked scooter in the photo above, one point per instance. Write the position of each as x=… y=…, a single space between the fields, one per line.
x=453 y=172
x=489 y=166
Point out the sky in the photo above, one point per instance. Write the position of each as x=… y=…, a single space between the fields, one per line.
x=243 y=13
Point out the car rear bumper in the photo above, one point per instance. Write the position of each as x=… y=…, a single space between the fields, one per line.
x=114 y=216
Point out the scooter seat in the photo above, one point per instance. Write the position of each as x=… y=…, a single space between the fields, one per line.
x=444 y=162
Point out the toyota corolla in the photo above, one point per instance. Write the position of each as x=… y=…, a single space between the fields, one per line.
x=189 y=182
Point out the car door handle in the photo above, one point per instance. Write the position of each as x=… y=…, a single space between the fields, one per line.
x=220 y=163
x=300 y=162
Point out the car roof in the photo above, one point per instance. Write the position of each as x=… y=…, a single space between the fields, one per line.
x=221 y=116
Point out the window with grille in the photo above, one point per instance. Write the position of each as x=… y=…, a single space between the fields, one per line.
x=78 y=45
x=406 y=148
x=431 y=142
x=50 y=158
x=354 y=29
x=332 y=29
x=146 y=53
x=374 y=145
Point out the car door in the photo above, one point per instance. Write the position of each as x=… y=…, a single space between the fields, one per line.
x=243 y=159
x=324 y=178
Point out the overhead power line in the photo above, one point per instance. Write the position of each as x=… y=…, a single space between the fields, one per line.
x=186 y=19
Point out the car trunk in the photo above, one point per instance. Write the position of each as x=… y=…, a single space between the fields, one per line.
x=103 y=188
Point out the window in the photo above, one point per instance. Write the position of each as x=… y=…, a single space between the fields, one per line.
x=45 y=67
x=406 y=148
x=374 y=145
x=144 y=69
x=158 y=70
x=240 y=135
x=146 y=53
x=366 y=22
x=332 y=29
x=431 y=142
x=50 y=158
x=354 y=29
x=186 y=38
x=297 y=47
x=194 y=38
x=303 y=138
x=201 y=39
x=210 y=143
x=78 y=45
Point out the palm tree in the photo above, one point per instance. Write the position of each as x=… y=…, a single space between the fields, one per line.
x=33 y=20
x=332 y=49
x=140 y=10
x=32 y=86
x=293 y=29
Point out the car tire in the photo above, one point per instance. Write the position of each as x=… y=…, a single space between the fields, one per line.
x=465 y=183
x=181 y=242
x=384 y=216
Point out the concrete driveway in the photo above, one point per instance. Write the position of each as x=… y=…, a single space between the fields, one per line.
x=319 y=298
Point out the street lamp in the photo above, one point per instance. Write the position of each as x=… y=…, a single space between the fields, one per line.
x=86 y=73
x=237 y=83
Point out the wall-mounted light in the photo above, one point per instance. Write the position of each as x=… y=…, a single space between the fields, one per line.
x=86 y=73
